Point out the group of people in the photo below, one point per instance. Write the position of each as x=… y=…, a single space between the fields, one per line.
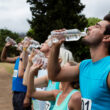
x=57 y=86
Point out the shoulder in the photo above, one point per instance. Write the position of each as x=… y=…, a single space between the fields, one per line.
x=76 y=97
x=85 y=63
x=75 y=101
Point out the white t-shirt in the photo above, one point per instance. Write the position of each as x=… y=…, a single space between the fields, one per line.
x=40 y=105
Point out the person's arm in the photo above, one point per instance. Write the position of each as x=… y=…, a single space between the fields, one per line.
x=41 y=82
x=21 y=67
x=4 y=57
x=75 y=102
x=108 y=80
x=25 y=53
x=40 y=95
x=58 y=73
x=26 y=73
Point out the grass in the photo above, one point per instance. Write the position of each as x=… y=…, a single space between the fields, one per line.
x=9 y=67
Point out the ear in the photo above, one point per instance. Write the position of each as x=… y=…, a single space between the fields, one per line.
x=106 y=38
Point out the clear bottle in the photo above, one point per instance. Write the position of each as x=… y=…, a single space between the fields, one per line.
x=33 y=46
x=26 y=39
x=68 y=35
x=34 y=42
x=40 y=58
x=10 y=40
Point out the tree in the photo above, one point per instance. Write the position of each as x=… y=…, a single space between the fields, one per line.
x=48 y=15
x=93 y=21
x=3 y=34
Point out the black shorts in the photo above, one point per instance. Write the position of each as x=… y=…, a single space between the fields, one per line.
x=18 y=98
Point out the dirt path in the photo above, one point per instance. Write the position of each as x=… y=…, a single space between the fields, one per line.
x=5 y=90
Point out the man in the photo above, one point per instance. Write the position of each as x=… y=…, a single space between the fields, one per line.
x=93 y=73
x=19 y=90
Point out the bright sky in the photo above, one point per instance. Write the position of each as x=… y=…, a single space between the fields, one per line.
x=14 y=13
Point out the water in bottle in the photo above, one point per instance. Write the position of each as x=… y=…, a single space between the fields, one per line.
x=33 y=46
x=10 y=40
x=68 y=35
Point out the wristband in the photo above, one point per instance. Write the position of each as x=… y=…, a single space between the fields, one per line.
x=24 y=48
x=21 y=59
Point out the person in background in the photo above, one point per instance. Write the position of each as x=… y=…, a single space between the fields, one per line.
x=19 y=90
x=67 y=98
x=65 y=55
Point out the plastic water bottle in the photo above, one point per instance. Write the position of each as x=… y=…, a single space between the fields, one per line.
x=26 y=39
x=68 y=35
x=10 y=40
x=40 y=58
x=33 y=46
x=34 y=42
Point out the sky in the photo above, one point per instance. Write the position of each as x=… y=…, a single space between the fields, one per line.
x=14 y=13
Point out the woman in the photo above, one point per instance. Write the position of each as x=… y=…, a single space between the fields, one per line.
x=66 y=99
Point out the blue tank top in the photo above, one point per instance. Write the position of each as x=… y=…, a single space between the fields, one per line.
x=55 y=85
x=93 y=84
x=17 y=83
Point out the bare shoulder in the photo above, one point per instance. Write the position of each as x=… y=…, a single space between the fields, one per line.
x=76 y=97
x=75 y=101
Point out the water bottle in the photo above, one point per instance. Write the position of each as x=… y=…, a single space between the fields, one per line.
x=34 y=42
x=68 y=35
x=10 y=40
x=20 y=47
x=33 y=46
x=40 y=58
x=26 y=39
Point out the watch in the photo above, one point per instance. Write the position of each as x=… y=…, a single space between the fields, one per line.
x=21 y=59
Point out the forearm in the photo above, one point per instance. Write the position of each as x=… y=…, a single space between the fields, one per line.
x=25 y=58
x=30 y=86
x=41 y=82
x=21 y=67
x=53 y=63
x=26 y=73
x=3 y=54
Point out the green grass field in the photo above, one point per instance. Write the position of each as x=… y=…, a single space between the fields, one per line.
x=9 y=67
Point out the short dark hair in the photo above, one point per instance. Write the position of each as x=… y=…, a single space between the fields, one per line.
x=107 y=30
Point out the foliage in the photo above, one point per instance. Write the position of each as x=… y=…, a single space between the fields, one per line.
x=92 y=21
x=3 y=34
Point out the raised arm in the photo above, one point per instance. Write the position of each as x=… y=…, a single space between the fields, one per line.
x=4 y=57
x=31 y=92
x=21 y=67
x=41 y=82
x=58 y=73
x=26 y=73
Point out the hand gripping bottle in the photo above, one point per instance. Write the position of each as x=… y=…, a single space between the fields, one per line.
x=10 y=40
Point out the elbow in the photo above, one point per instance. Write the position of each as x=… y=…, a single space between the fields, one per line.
x=2 y=59
x=20 y=75
x=53 y=76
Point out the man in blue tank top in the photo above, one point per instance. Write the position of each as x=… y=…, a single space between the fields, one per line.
x=93 y=74
x=19 y=90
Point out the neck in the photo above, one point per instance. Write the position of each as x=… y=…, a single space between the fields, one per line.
x=66 y=87
x=46 y=54
x=98 y=53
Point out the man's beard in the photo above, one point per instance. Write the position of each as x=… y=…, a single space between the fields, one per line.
x=94 y=43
